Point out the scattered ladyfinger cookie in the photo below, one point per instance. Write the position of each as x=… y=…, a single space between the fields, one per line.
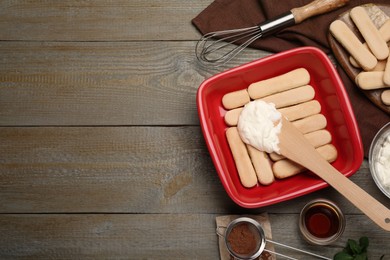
x=375 y=31
x=344 y=35
x=380 y=66
x=386 y=74
x=369 y=80
x=385 y=97
x=384 y=31
x=370 y=33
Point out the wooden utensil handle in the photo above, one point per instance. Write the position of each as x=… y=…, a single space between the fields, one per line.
x=296 y=147
x=315 y=8
x=356 y=195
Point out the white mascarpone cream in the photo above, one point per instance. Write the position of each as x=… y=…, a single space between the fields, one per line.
x=259 y=125
x=383 y=164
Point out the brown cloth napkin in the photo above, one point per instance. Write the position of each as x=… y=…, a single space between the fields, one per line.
x=232 y=14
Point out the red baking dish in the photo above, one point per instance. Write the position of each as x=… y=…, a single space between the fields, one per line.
x=335 y=106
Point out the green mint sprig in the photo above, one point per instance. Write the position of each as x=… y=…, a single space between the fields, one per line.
x=354 y=250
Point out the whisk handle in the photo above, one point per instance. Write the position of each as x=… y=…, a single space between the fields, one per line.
x=273 y=25
x=315 y=8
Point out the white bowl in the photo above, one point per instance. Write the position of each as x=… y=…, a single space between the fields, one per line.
x=374 y=154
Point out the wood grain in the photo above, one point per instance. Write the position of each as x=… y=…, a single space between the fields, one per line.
x=141 y=236
x=118 y=20
x=101 y=83
x=122 y=170
x=91 y=236
x=101 y=152
x=96 y=84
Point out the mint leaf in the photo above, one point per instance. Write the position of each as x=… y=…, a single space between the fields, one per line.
x=354 y=250
x=362 y=256
x=363 y=241
x=354 y=247
x=342 y=256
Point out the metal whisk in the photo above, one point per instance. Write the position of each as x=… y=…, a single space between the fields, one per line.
x=218 y=48
x=220 y=51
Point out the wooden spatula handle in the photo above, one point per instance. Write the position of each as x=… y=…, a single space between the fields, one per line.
x=315 y=8
x=356 y=195
x=294 y=146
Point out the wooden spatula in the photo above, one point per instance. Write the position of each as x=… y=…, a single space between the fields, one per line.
x=294 y=146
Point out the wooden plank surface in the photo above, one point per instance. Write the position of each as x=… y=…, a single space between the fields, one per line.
x=101 y=20
x=101 y=152
x=121 y=169
x=150 y=236
x=101 y=83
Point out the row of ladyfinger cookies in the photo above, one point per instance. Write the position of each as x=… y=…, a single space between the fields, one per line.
x=372 y=56
x=294 y=98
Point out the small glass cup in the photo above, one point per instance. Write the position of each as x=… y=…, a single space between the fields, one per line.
x=321 y=222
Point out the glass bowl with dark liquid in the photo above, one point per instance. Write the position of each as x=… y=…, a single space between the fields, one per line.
x=321 y=222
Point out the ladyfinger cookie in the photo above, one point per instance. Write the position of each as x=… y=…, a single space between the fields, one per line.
x=385 y=30
x=316 y=139
x=370 y=33
x=385 y=33
x=301 y=110
x=380 y=66
x=291 y=97
x=369 y=80
x=307 y=125
x=292 y=113
x=292 y=79
x=231 y=116
x=262 y=165
x=319 y=138
x=310 y=123
x=351 y=43
x=235 y=99
x=241 y=158
x=385 y=97
x=287 y=168
x=386 y=75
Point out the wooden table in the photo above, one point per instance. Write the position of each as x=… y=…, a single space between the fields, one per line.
x=101 y=152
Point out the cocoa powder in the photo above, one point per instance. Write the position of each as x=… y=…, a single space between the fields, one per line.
x=243 y=240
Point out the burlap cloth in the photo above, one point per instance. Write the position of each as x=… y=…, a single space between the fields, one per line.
x=223 y=221
x=232 y=14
